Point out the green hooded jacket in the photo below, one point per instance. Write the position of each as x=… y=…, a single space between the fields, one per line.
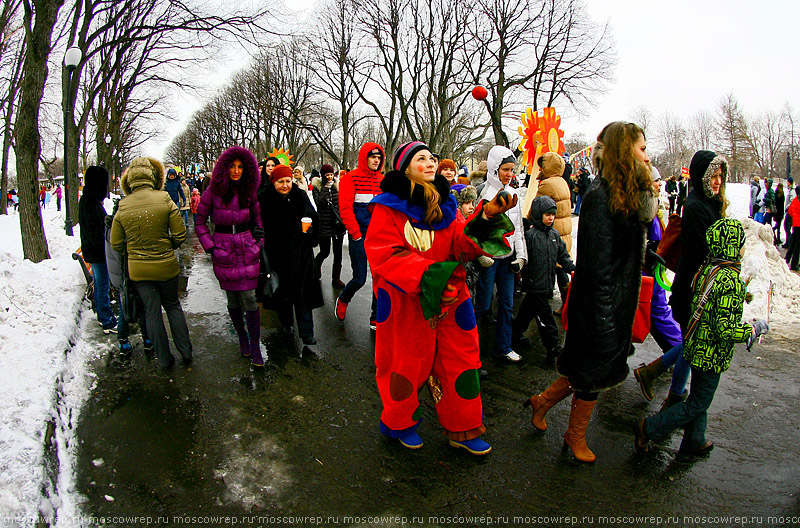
x=710 y=347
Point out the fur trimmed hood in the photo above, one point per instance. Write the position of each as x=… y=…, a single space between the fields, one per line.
x=705 y=163
x=316 y=183
x=246 y=186
x=143 y=172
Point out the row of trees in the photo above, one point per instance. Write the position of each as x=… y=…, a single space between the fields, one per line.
x=134 y=51
x=393 y=70
x=764 y=145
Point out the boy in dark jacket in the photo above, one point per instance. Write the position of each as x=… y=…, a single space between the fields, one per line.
x=545 y=250
x=714 y=328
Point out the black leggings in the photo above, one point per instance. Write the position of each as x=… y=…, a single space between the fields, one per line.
x=325 y=250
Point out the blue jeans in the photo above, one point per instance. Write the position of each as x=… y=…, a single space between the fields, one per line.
x=500 y=274
x=692 y=414
x=185 y=215
x=358 y=262
x=578 y=201
x=305 y=320
x=102 y=301
x=680 y=374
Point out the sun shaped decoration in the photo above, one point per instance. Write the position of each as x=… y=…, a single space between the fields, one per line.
x=284 y=157
x=550 y=136
x=529 y=145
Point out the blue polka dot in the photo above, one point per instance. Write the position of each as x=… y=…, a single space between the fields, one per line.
x=384 y=305
x=465 y=316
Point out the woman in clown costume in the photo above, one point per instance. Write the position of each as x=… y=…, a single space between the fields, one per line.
x=416 y=246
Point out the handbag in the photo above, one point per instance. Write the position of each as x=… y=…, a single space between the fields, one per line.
x=269 y=282
x=641 y=322
x=670 y=246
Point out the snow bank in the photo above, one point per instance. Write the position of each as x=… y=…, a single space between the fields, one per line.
x=39 y=314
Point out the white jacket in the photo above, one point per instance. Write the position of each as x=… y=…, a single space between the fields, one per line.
x=496 y=155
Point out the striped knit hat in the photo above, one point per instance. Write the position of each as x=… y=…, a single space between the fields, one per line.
x=402 y=156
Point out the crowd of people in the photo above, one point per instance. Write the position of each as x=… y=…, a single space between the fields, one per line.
x=444 y=247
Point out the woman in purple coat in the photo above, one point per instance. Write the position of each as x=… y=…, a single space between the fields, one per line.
x=230 y=201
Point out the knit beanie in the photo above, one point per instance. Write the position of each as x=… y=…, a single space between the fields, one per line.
x=447 y=164
x=281 y=171
x=325 y=169
x=404 y=153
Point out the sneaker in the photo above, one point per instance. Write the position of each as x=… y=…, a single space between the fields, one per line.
x=701 y=450
x=125 y=350
x=476 y=446
x=373 y=324
x=341 y=310
x=411 y=440
x=111 y=329
x=309 y=340
x=510 y=356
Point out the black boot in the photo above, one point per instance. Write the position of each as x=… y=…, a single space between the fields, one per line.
x=336 y=281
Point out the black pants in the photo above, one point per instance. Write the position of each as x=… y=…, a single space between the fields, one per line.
x=154 y=295
x=787 y=228
x=535 y=306
x=793 y=252
x=672 y=204
x=325 y=250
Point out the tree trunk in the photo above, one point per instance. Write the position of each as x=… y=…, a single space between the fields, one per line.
x=26 y=131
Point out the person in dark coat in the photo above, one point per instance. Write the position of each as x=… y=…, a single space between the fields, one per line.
x=290 y=252
x=325 y=191
x=230 y=201
x=615 y=214
x=683 y=191
x=174 y=188
x=777 y=215
x=671 y=188
x=91 y=217
x=546 y=249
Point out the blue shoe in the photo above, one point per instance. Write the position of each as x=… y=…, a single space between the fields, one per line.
x=148 y=345
x=125 y=350
x=412 y=440
x=476 y=446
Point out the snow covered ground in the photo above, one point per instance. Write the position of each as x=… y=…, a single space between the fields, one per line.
x=44 y=358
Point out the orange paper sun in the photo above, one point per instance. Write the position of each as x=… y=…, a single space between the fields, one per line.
x=283 y=156
x=529 y=145
x=550 y=136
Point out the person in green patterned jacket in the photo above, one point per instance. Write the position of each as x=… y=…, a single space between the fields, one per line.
x=713 y=330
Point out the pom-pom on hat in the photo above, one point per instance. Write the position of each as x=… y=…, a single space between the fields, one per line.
x=325 y=169
x=447 y=163
x=402 y=156
x=281 y=171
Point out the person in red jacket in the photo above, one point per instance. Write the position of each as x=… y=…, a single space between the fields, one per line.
x=793 y=252
x=427 y=333
x=356 y=189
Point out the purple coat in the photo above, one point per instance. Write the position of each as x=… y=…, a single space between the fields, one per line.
x=236 y=257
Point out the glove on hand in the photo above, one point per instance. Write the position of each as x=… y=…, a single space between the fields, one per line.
x=651 y=258
x=760 y=328
x=258 y=233
x=516 y=265
x=486 y=262
x=502 y=202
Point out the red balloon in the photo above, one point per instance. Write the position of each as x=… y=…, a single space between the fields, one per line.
x=479 y=93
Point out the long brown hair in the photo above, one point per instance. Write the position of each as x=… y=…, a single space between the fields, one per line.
x=626 y=175
x=433 y=210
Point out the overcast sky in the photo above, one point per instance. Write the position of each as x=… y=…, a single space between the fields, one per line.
x=679 y=56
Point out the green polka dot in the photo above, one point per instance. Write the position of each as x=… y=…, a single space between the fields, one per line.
x=417 y=416
x=467 y=385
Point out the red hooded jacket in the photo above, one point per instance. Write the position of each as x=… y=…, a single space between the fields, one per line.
x=356 y=190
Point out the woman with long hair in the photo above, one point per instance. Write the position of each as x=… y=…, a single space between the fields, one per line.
x=615 y=214
x=231 y=204
x=417 y=244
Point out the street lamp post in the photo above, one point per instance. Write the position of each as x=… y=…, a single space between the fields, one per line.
x=71 y=60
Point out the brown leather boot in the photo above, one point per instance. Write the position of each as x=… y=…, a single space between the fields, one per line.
x=541 y=403
x=575 y=438
x=646 y=374
x=671 y=399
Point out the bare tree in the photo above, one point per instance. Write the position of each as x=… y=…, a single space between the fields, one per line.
x=702 y=130
x=12 y=49
x=641 y=116
x=765 y=137
x=671 y=136
x=732 y=136
x=40 y=17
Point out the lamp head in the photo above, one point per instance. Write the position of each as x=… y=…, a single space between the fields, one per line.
x=72 y=57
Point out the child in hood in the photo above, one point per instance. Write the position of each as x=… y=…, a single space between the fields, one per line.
x=715 y=326
x=195 y=201
x=546 y=249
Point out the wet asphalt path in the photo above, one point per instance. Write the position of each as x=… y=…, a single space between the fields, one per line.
x=300 y=438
